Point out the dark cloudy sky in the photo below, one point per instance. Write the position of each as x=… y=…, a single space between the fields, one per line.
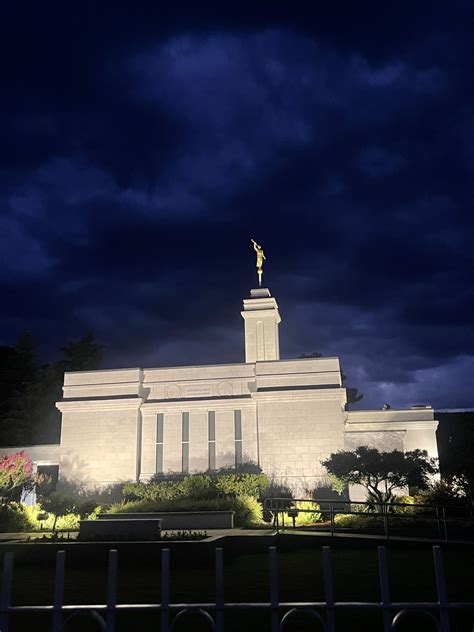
x=142 y=148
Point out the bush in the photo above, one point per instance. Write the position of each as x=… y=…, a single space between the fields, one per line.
x=247 y=509
x=242 y=484
x=141 y=506
x=155 y=490
x=65 y=521
x=277 y=490
x=404 y=500
x=197 y=486
x=439 y=493
x=357 y=522
x=14 y=518
x=310 y=515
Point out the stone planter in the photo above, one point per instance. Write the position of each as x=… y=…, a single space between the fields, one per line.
x=181 y=519
x=126 y=528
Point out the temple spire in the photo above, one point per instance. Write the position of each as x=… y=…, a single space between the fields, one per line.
x=261 y=320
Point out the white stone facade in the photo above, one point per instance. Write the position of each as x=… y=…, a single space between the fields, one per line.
x=284 y=416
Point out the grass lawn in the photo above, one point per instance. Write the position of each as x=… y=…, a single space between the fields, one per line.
x=246 y=578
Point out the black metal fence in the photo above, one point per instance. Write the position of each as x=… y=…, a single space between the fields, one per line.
x=280 y=613
x=388 y=518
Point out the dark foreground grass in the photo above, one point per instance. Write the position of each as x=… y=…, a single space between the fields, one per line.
x=246 y=578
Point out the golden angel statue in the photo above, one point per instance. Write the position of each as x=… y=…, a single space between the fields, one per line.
x=260 y=257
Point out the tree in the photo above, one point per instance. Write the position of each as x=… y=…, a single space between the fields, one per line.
x=17 y=372
x=26 y=353
x=83 y=355
x=382 y=472
x=16 y=475
x=459 y=470
x=58 y=505
x=456 y=448
x=28 y=392
x=352 y=393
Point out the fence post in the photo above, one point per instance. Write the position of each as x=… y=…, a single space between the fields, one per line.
x=385 y=519
x=385 y=589
x=58 y=591
x=445 y=525
x=219 y=590
x=111 y=591
x=328 y=590
x=6 y=591
x=438 y=521
x=165 y=589
x=275 y=622
x=331 y=513
x=441 y=588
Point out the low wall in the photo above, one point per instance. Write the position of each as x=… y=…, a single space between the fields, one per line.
x=181 y=519
x=123 y=529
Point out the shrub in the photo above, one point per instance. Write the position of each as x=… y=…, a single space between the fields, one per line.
x=242 y=484
x=19 y=517
x=307 y=512
x=439 y=493
x=13 y=518
x=155 y=490
x=66 y=521
x=133 y=491
x=404 y=500
x=141 y=506
x=247 y=509
x=59 y=506
x=199 y=486
x=357 y=522
x=277 y=490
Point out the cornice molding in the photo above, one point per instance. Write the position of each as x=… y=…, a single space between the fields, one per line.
x=83 y=406
x=375 y=426
x=190 y=405
x=308 y=394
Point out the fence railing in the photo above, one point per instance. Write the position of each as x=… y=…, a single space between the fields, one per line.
x=391 y=515
x=279 y=612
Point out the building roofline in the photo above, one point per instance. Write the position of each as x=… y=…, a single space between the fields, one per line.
x=197 y=366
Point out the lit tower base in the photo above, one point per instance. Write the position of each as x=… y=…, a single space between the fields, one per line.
x=261 y=320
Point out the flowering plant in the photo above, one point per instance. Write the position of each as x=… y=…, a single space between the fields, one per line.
x=16 y=474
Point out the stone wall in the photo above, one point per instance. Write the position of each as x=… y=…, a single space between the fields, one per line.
x=99 y=442
x=297 y=430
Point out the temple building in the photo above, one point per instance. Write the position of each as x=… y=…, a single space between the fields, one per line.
x=285 y=416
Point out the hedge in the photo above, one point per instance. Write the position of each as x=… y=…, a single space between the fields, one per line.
x=16 y=517
x=199 y=486
x=247 y=509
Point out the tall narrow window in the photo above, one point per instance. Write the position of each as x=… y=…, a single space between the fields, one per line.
x=211 y=439
x=185 y=442
x=159 y=444
x=238 y=437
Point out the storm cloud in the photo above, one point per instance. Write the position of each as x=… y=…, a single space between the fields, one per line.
x=143 y=149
